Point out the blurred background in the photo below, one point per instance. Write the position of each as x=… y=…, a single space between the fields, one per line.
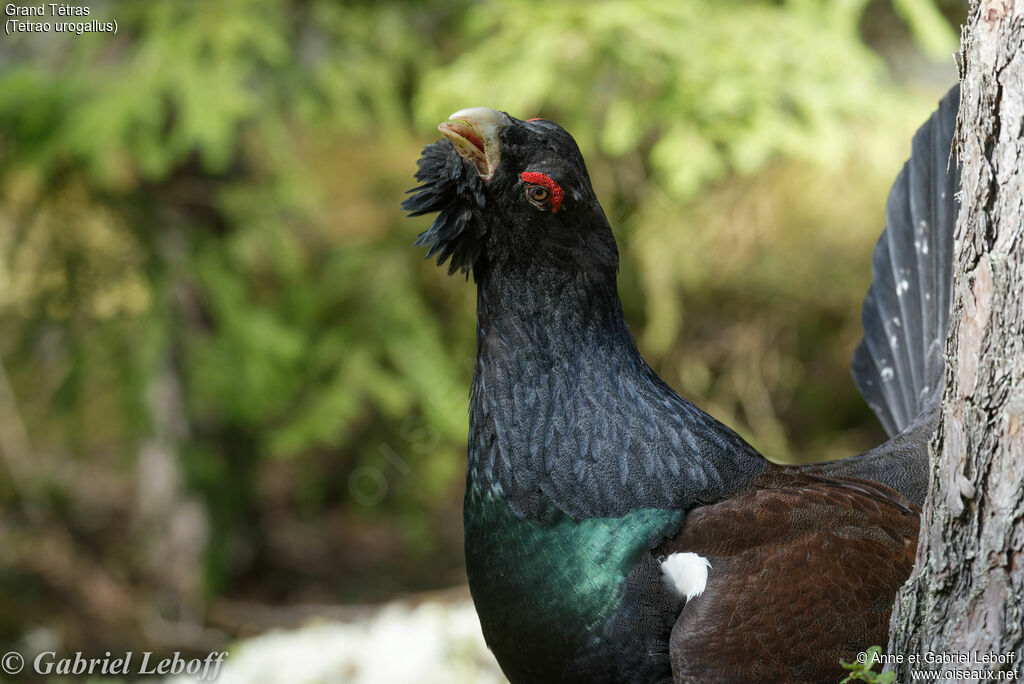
x=233 y=395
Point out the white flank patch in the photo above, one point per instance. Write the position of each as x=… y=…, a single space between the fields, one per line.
x=686 y=574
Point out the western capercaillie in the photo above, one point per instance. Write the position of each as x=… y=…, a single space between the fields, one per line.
x=614 y=531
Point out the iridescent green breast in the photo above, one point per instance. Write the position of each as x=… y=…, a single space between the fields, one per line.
x=547 y=590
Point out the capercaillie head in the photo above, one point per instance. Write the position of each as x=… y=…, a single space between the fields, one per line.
x=509 y=191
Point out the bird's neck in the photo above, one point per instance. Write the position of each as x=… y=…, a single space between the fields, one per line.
x=554 y=313
x=565 y=413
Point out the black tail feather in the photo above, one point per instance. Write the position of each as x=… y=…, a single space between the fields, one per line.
x=899 y=362
x=898 y=365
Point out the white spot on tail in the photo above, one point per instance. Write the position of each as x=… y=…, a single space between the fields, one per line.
x=686 y=574
x=887 y=374
x=902 y=287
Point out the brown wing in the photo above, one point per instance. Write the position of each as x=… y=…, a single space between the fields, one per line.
x=804 y=571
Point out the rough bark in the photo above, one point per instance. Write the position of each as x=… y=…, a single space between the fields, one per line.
x=966 y=594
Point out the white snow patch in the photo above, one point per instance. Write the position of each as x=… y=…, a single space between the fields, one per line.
x=429 y=643
x=686 y=574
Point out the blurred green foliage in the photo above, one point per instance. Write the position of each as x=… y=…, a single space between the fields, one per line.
x=226 y=374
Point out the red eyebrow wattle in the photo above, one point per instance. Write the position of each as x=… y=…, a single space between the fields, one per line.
x=536 y=118
x=554 y=188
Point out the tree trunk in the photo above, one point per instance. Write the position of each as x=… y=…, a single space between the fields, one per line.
x=965 y=598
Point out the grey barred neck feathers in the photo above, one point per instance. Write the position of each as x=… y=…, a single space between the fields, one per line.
x=565 y=412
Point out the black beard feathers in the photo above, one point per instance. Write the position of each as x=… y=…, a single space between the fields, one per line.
x=451 y=186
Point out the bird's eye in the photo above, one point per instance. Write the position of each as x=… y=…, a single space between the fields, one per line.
x=537 y=193
x=543 y=191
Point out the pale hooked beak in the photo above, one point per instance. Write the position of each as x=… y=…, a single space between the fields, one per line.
x=474 y=134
